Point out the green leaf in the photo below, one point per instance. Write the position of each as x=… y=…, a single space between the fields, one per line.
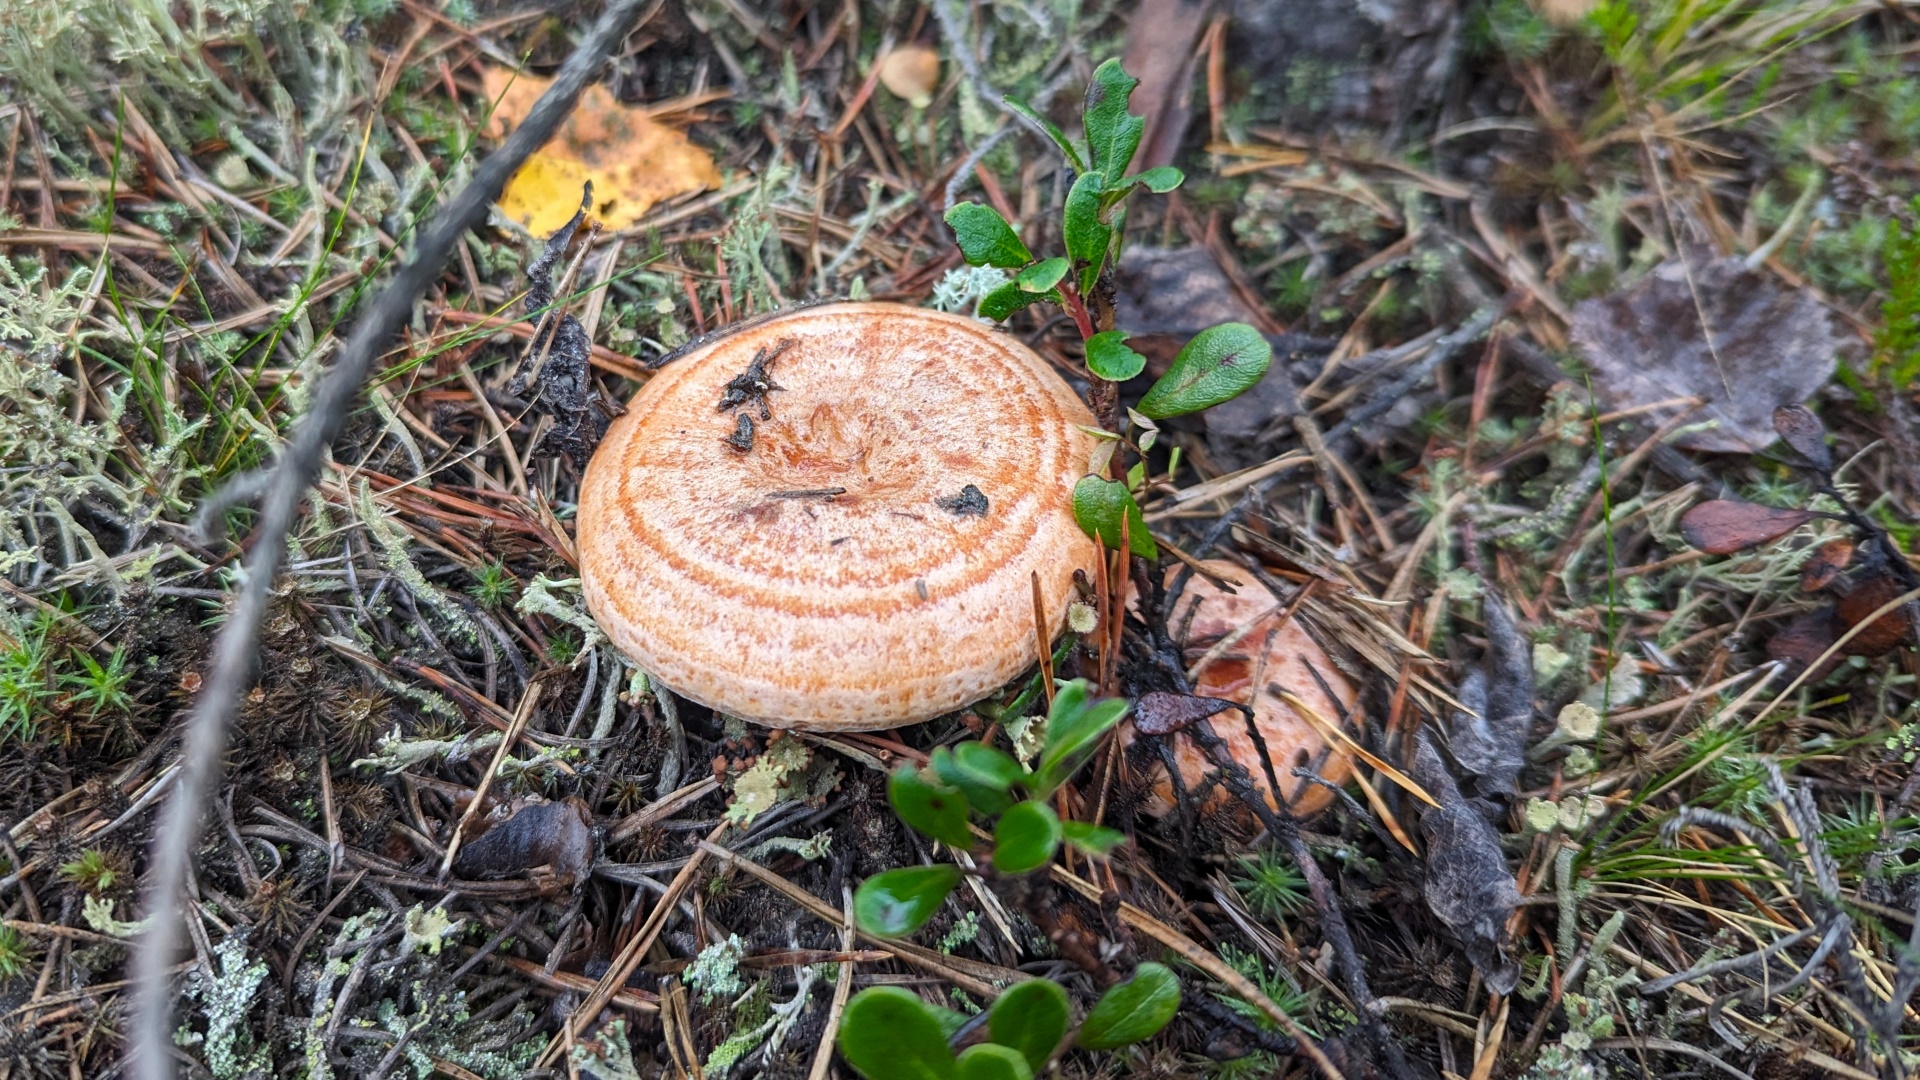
x=1109 y=358
x=1074 y=726
x=888 y=1034
x=1010 y=298
x=1133 y=1010
x=1113 y=133
x=1053 y=132
x=1097 y=840
x=1070 y=698
x=986 y=1061
x=1031 y=1018
x=983 y=773
x=935 y=809
x=1219 y=364
x=898 y=902
x=1085 y=235
x=985 y=238
x=1042 y=276
x=1099 y=503
x=951 y=1020
x=1025 y=837
x=1159 y=181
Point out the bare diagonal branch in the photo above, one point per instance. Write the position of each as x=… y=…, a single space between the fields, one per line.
x=150 y=1049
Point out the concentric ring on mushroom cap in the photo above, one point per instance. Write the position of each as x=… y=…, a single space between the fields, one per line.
x=735 y=580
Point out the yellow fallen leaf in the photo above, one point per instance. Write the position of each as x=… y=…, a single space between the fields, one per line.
x=632 y=160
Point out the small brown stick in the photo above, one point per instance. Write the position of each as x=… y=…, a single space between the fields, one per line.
x=663 y=808
x=1206 y=961
x=630 y=956
x=1490 y=1052
x=1041 y=641
x=842 y=988
x=336 y=844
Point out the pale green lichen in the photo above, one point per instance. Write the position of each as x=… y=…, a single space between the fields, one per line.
x=1082 y=617
x=964 y=930
x=608 y=1055
x=963 y=286
x=396 y=753
x=224 y=998
x=427 y=930
x=1622 y=686
x=560 y=599
x=394 y=541
x=813 y=848
x=439 y=1024
x=1029 y=735
x=50 y=459
x=98 y=913
x=764 y=1025
x=787 y=770
x=715 y=973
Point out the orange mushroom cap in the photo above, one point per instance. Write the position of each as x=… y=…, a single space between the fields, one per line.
x=831 y=519
x=1291 y=657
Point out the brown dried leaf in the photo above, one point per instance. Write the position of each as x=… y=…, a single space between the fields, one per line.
x=1468 y=883
x=558 y=835
x=1490 y=743
x=1800 y=429
x=1162 y=713
x=1867 y=596
x=1724 y=526
x=1760 y=345
x=1805 y=640
x=1826 y=565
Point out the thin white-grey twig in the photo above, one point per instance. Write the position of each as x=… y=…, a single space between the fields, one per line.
x=150 y=1049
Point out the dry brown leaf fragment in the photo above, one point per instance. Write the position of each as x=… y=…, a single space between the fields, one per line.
x=1709 y=329
x=632 y=160
x=1801 y=430
x=1724 y=526
x=1825 y=566
x=1163 y=713
x=911 y=73
x=1468 y=883
x=558 y=835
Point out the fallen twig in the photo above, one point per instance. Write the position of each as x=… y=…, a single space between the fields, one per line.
x=150 y=1054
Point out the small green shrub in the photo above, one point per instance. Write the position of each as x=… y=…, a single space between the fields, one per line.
x=888 y=1032
x=1219 y=364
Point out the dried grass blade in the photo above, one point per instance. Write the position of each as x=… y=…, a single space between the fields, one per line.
x=1333 y=733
